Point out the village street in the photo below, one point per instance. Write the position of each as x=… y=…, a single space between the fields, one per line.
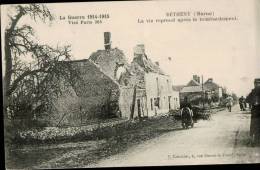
x=222 y=140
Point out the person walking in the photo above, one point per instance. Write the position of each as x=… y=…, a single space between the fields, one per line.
x=241 y=101
x=254 y=100
x=244 y=103
x=185 y=103
x=229 y=104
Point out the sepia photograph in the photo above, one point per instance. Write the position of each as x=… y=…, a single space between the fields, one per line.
x=131 y=83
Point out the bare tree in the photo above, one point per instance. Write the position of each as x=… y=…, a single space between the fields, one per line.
x=28 y=82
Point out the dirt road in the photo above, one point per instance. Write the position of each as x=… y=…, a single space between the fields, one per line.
x=222 y=140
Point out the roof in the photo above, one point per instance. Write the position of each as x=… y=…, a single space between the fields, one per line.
x=210 y=85
x=178 y=87
x=193 y=83
x=153 y=67
x=147 y=64
x=90 y=75
x=191 y=89
x=108 y=59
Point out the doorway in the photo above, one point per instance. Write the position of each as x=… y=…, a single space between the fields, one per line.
x=169 y=101
x=139 y=107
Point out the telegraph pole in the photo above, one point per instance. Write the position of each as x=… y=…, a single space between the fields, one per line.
x=203 y=95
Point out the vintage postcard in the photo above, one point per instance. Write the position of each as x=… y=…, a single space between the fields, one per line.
x=131 y=83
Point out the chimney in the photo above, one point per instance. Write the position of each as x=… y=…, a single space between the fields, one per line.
x=157 y=63
x=142 y=48
x=107 y=42
x=139 y=49
x=196 y=78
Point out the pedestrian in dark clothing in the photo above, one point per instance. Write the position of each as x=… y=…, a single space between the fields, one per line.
x=186 y=103
x=241 y=101
x=254 y=99
x=186 y=107
x=244 y=103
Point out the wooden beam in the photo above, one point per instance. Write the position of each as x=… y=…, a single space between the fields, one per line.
x=133 y=104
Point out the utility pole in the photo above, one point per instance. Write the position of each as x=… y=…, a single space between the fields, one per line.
x=203 y=95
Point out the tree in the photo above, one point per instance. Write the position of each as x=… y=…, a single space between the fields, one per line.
x=27 y=82
x=235 y=98
x=224 y=93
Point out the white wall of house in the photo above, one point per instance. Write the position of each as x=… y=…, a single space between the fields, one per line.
x=160 y=86
x=220 y=92
x=176 y=100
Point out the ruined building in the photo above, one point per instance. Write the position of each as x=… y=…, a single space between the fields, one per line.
x=157 y=95
x=109 y=86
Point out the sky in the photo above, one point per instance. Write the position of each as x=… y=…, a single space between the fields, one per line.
x=224 y=51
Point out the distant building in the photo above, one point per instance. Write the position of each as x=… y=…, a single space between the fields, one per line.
x=195 y=91
x=213 y=89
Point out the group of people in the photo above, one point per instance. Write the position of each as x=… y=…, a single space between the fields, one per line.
x=242 y=103
x=253 y=99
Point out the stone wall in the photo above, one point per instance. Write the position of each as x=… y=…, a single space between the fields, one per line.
x=125 y=101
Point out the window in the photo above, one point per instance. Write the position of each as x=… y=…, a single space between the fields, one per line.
x=157 y=102
x=169 y=101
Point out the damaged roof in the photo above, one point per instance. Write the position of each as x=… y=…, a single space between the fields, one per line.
x=146 y=64
x=108 y=60
x=90 y=76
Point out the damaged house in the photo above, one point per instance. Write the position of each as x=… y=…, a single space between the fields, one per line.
x=157 y=95
x=91 y=95
x=103 y=88
x=109 y=86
